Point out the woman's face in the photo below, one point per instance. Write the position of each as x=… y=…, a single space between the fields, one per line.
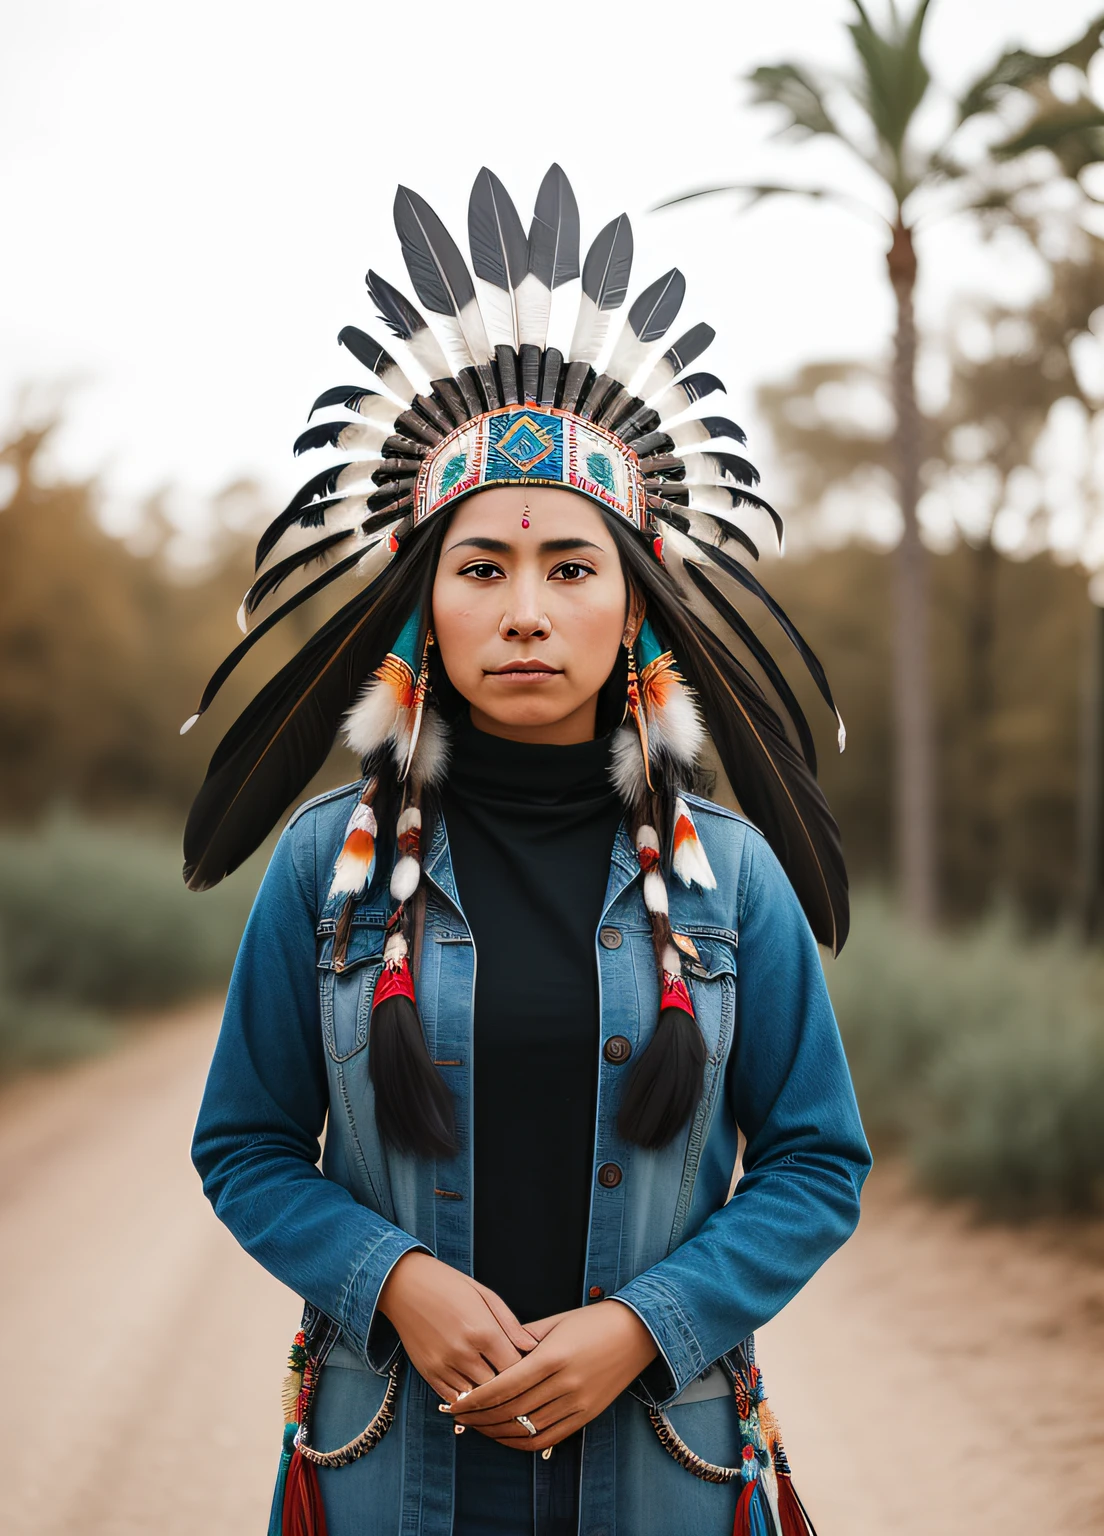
x=529 y=606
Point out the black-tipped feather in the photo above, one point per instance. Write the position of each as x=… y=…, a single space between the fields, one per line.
x=278 y=743
x=395 y=310
x=732 y=464
x=608 y=264
x=438 y=271
x=652 y=313
x=499 y=250
x=322 y=484
x=553 y=252
x=240 y=651
x=367 y=351
x=743 y=630
x=277 y=574
x=744 y=577
x=722 y=426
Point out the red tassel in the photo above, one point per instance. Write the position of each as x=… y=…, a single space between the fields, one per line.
x=741 y=1526
x=304 y=1514
x=791 y=1512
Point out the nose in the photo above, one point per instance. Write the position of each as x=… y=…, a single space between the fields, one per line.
x=525 y=619
x=528 y=625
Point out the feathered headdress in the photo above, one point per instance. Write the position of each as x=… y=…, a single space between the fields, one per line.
x=613 y=420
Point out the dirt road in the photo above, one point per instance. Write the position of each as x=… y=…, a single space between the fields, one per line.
x=931 y=1378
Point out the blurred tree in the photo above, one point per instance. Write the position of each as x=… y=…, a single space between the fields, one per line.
x=1010 y=370
x=873 y=114
x=105 y=644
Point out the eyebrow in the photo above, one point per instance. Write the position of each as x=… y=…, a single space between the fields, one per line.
x=546 y=547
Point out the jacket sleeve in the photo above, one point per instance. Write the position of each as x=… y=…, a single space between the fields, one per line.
x=256 y=1143
x=805 y=1157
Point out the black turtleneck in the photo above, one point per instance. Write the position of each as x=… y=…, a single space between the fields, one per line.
x=530 y=830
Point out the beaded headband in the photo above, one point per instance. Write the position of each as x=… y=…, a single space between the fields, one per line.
x=516 y=446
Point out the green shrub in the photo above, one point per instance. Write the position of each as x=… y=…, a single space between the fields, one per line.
x=95 y=920
x=981 y=1055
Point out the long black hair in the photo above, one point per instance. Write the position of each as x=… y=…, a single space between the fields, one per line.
x=769 y=776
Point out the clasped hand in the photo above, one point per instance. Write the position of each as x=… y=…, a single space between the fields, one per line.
x=559 y=1372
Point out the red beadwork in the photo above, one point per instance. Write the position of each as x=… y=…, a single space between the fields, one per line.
x=648 y=858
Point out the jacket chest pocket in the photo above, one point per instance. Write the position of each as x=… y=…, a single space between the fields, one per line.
x=345 y=995
x=711 y=980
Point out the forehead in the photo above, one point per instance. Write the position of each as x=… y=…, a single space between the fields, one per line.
x=555 y=511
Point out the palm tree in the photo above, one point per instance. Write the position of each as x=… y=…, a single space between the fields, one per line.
x=872 y=113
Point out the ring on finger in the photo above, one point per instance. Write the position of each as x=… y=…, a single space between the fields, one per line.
x=526 y=1423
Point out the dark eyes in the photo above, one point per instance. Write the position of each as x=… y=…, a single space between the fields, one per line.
x=570 y=570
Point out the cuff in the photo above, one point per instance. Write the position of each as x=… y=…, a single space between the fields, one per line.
x=681 y=1358
x=373 y=1335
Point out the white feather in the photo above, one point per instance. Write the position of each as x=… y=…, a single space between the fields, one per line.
x=351 y=872
x=410 y=818
x=659 y=378
x=710 y=498
x=393 y=378
x=534 y=305
x=841 y=734
x=378 y=408
x=628 y=357
x=475 y=332
x=672 y=964
x=455 y=345
x=426 y=351
x=590 y=331
x=655 y=892
x=363 y=436
x=690 y=863
x=431 y=758
x=404 y=878
x=373 y=720
x=677 y=727
x=498 y=312
x=677 y=543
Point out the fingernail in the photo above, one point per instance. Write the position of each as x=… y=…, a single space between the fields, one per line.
x=458 y=1429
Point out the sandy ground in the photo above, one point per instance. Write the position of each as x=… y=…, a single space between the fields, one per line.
x=933 y=1377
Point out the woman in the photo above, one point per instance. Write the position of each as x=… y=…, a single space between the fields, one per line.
x=534 y=988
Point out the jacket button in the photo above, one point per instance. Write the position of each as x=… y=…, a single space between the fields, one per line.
x=610 y=938
x=596 y=1293
x=617 y=1049
x=609 y=1175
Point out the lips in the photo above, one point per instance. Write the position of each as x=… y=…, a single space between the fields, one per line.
x=533 y=669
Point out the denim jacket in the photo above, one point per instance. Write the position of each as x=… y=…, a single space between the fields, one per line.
x=702 y=1270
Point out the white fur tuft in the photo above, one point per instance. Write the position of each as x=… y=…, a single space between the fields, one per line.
x=404 y=878
x=647 y=837
x=655 y=892
x=671 y=962
x=395 y=949
x=411 y=817
x=627 y=765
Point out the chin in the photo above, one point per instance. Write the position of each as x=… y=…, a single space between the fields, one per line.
x=529 y=711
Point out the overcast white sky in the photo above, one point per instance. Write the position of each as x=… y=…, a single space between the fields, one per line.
x=193 y=193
